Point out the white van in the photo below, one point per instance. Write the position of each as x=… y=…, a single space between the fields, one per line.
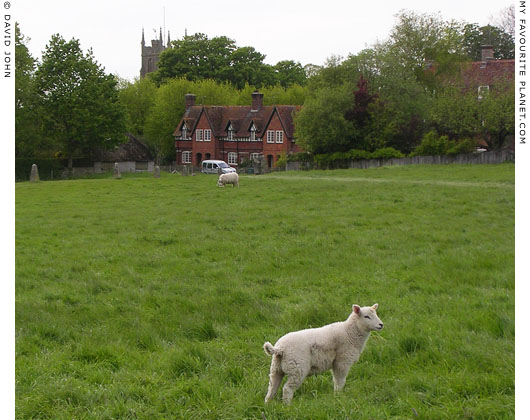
x=212 y=167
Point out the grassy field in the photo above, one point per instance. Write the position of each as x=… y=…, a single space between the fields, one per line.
x=147 y=298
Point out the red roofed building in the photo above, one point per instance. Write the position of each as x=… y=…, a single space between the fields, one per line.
x=489 y=73
x=234 y=133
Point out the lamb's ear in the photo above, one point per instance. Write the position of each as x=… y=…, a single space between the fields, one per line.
x=375 y=306
x=356 y=309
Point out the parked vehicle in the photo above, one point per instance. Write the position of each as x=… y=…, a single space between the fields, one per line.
x=213 y=166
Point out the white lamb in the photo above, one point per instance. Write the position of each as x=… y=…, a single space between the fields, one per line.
x=229 y=178
x=335 y=346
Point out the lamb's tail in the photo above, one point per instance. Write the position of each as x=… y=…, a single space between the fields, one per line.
x=271 y=350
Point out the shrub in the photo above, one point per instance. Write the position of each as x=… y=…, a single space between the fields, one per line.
x=281 y=162
x=244 y=163
x=322 y=160
x=356 y=154
x=463 y=146
x=300 y=157
x=386 y=153
x=432 y=145
x=339 y=160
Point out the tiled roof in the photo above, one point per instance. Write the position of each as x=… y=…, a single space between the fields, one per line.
x=488 y=73
x=241 y=118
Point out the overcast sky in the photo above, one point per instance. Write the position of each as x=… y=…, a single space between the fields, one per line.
x=302 y=30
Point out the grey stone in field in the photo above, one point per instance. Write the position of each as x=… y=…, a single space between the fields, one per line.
x=259 y=165
x=156 y=172
x=117 y=173
x=34 y=175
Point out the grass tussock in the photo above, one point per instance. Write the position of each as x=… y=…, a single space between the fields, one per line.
x=151 y=298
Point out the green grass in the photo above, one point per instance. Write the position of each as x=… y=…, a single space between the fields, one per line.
x=146 y=298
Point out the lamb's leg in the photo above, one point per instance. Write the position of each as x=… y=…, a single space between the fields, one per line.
x=293 y=383
x=275 y=379
x=340 y=372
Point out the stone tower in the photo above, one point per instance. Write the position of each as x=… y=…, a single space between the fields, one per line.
x=150 y=55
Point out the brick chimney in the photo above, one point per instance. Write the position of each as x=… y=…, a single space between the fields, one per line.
x=257 y=101
x=487 y=52
x=190 y=100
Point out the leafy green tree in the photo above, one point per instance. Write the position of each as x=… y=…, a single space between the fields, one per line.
x=459 y=114
x=475 y=37
x=29 y=139
x=277 y=95
x=197 y=57
x=321 y=127
x=289 y=72
x=138 y=99
x=403 y=100
x=80 y=102
x=420 y=39
x=497 y=115
x=168 y=108
x=335 y=72
x=247 y=67
x=455 y=113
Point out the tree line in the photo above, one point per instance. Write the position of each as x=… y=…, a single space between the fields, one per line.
x=403 y=93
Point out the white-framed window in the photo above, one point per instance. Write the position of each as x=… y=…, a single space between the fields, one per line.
x=186 y=157
x=253 y=133
x=270 y=136
x=184 y=132
x=279 y=136
x=232 y=158
x=198 y=135
x=254 y=156
x=207 y=135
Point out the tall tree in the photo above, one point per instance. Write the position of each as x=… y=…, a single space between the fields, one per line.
x=320 y=126
x=475 y=37
x=80 y=102
x=497 y=111
x=247 y=67
x=138 y=99
x=289 y=72
x=28 y=137
x=419 y=39
x=195 y=57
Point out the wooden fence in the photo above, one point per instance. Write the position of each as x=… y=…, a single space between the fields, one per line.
x=471 y=158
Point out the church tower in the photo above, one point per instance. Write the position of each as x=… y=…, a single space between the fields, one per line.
x=150 y=55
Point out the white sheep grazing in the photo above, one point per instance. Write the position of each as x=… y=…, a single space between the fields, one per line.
x=335 y=346
x=229 y=178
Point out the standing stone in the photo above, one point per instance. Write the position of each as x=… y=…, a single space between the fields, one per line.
x=157 y=171
x=259 y=165
x=34 y=175
x=117 y=173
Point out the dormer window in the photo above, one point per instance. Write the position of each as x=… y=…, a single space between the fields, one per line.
x=253 y=132
x=230 y=135
x=184 y=132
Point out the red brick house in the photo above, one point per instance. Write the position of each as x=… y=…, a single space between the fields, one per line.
x=488 y=73
x=235 y=133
